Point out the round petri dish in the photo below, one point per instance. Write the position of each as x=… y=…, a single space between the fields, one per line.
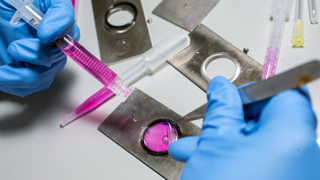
x=158 y=135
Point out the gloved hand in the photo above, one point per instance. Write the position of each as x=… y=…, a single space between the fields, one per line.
x=271 y=140
x=28 y=61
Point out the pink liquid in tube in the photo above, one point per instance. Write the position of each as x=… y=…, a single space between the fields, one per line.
x=86 y=60
x=75 y=7
x=158 y=136
x=93 y=102
x=269 y=66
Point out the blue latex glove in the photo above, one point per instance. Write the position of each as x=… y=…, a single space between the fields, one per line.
x=28 y=61
x=271 y=140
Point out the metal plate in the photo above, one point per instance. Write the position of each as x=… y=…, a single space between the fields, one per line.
x=128 y=120
x=185 y=13
x=132 y=41
x=205 y=43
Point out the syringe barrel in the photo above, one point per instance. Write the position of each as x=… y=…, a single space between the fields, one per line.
x=29 y=13
x=165 y=49
x=277 y=29
x=280 y=10
x=272 y=54
x=92 y=65
x=135 y=71
x=282 y=5
x=157 y=55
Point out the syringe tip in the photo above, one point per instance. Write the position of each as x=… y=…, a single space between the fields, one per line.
x=72 y=116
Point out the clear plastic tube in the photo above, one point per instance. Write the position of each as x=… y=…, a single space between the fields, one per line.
x=281 y=10
x=313 y=11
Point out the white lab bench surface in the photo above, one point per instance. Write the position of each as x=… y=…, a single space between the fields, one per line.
x=33 y=146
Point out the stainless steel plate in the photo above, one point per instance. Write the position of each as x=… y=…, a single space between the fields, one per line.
x=207 y=44
x=127 y=122
x=185 y=13
x=118 y=43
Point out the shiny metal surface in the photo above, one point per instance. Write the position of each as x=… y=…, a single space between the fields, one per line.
x=127 y=122
x=185 y=13
x=215 y=56
x=193 y=115
x=118 y=43
x=205 y=43
x=288 y=80
x=264 y=89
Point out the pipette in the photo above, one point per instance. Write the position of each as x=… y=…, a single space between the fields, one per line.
x=33 y=16
x=150 y=61
x=313 y=11
x=298 y=32
x=280 y=11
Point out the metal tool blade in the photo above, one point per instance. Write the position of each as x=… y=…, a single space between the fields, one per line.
x=291 y=79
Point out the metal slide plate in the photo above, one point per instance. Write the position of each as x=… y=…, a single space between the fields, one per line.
x=126 y=123
x=185 y=13
x=117 y=44
x=205 y=43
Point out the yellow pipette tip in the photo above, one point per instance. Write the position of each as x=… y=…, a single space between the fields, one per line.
x=298 y=40
x=298 y=34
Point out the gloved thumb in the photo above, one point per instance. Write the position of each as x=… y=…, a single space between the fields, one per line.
x=57 y=22
x=183 y=148
x=224 y=114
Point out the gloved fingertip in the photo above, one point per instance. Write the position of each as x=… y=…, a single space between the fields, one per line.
x=183 y=148
x=217 y=82
x=12 y=50
x=57 y=22
x=75 y=32
x=224 y=107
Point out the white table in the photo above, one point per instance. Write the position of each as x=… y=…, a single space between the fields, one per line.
x=33 y=146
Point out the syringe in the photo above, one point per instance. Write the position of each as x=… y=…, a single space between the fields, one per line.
x=150 y=60
x=33 y=16
x=280 y=11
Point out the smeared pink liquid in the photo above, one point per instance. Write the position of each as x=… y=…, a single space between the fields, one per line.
x=86 y=60
x=159 y=136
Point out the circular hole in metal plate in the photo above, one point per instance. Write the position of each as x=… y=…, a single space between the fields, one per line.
x=221 y=67
x=158 y=135
x=220 y=64
x=120 y=17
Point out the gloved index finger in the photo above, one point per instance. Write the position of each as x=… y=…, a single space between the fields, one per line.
x=57 y=22
x=224 y=110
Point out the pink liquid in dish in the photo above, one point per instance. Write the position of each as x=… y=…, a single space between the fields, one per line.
x=158 y=136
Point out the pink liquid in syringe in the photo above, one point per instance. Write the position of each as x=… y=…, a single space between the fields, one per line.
x=86 y=60
x=73 y=2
